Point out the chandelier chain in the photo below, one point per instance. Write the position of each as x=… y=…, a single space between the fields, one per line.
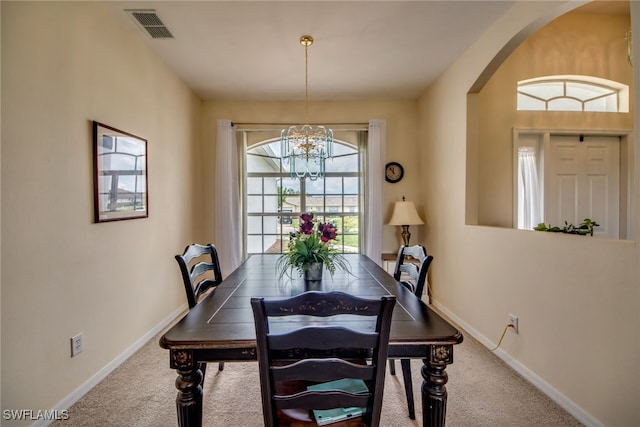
x=306 y=148
x=306 y=81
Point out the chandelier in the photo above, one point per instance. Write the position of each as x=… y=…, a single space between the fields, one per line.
x=306 y=148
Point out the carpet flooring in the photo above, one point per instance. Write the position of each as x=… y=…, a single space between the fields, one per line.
x=482 y=391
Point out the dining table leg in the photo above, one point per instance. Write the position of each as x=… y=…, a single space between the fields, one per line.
x=189 y=385
x=434 y=392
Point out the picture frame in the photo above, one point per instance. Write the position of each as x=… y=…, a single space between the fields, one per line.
x=120 y=174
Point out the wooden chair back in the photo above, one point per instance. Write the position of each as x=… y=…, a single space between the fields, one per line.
x=353 y=346
x=417 y=271
x=200 y=269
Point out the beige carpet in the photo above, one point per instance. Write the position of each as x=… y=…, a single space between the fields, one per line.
x=483 y=391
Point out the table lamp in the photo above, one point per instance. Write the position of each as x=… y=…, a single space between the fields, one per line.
x=405 y=214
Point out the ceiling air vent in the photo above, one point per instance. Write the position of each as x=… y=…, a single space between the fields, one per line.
x=150 y=21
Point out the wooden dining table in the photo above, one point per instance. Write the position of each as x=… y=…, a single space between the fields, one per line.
x=221 y=329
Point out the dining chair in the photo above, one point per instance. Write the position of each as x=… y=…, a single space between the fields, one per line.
x=310 y=370
x=416 y=271
x=200 y=269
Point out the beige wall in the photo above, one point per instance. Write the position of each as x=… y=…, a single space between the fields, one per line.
x=402 y=137
x=576 y=43
x=578 y=300
x=65 y=64
x=0 y=199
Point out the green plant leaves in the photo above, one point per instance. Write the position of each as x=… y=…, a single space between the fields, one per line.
x=306 y=247
x=585 y=228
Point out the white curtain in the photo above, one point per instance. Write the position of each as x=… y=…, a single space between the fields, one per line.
x=227 y=199
x=529 y=204
x=374 y=191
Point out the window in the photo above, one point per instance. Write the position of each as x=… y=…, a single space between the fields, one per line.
x=274 y=200
x=529 y=207
x=573 y=93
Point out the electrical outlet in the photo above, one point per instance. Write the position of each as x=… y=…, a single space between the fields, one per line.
x=76 y=345
x=513 y=321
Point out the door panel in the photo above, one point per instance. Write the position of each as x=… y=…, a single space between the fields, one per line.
x=567 y=198
x=582 y=181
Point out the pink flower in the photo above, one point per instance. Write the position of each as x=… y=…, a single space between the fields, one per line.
x=306 y=227
x=328 y=231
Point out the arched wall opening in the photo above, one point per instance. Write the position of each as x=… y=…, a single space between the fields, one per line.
x=590 y=40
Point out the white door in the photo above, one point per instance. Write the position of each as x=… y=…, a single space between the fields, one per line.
x=582 y=180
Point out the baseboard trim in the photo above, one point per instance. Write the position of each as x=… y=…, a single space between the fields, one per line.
x=566 y=403
x=562 y=400
x=77 y=394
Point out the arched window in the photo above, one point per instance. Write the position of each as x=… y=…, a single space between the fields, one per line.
x=274 y=199
x=573 y=93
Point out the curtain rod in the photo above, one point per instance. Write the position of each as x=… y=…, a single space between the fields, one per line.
x=289 y=123
x=277 y=127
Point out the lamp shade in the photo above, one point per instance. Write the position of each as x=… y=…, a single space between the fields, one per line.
x=404 y=213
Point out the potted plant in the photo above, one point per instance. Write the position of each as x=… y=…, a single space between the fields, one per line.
x=310 y=248
x=584 y=229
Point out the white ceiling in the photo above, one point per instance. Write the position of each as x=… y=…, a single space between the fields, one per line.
x=250 y=50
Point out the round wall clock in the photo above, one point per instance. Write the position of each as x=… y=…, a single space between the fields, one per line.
x=393 y=172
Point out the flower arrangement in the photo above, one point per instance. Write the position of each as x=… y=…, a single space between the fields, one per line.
x=309 y=246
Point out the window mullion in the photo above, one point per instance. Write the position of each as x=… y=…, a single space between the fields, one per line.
x=274 y=179
x=545 y=89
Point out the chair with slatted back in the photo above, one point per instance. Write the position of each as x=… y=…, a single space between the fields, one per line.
x=200 y=269
x=412 y=274
x=414 y=269
x=351 y=349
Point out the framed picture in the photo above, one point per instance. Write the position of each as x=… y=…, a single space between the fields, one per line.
x=120 y=174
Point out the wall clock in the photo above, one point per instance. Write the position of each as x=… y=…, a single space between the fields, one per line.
x=393 y=172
